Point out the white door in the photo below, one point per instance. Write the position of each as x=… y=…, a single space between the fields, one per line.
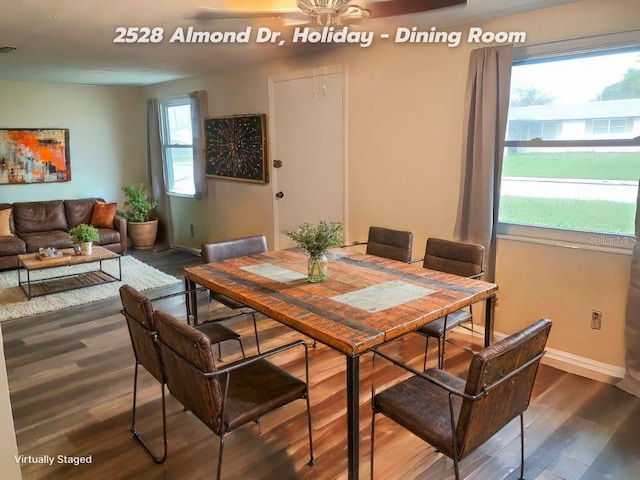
x=308 y=153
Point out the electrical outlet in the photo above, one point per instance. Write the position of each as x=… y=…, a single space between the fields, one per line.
x=596 y=320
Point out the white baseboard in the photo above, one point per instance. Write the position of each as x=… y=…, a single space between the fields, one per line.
x=568 y=362
x=585 y=367
x=193 y=251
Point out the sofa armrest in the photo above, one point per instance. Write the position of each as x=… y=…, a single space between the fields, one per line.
x=120 y=224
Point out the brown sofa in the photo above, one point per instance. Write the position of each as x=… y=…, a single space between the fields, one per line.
x=46 y=224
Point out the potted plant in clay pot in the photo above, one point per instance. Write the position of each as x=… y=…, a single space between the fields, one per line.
x=316 y=240
x=142 y=226
x=84 y=235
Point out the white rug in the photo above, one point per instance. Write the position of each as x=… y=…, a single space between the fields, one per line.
x=14 y=303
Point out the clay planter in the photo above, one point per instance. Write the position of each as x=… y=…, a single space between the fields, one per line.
x=143 y=234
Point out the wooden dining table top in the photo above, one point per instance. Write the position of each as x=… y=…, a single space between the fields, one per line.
x=367 y=300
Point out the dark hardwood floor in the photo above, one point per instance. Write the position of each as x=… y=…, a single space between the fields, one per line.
x=71 y=377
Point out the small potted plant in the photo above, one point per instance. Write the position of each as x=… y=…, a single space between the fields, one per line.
x=316 y=240
x=85 y=235
x=142 y=226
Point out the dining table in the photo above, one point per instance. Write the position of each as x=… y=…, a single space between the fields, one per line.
x=366 y=302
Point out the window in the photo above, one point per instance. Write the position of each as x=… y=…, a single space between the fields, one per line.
x=177 y=145
x=604 y=126
x=572 y=153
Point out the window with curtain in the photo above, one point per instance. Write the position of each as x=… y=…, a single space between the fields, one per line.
x=572 y=151
x=177 y=145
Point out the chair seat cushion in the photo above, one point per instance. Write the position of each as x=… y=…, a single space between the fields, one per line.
x=258 y=388
x=217 y=332
x=436 y=328
x=423 y=408
x=226 y=301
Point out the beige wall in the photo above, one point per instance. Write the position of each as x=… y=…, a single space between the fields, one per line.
x=404 y=123
x=8 y=449
x=404 y=118
x=107 y=132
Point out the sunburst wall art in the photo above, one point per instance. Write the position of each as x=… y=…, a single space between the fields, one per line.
x=34 y=155
x=235 y=147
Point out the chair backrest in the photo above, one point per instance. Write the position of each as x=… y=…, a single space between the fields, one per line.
x=389 y=243
x=237 y=247
x=464 y=259
x=186 y=354
x=138 y=311
x=479 y=420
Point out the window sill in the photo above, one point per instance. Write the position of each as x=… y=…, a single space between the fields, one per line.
x=596 y=241
x=194 y=196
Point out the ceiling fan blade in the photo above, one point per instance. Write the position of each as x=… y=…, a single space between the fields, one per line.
x=404 y=7
x=210 y=13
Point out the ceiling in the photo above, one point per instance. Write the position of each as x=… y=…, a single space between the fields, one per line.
x=71 y=41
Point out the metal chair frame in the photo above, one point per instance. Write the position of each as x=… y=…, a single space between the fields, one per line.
x=226 y=372
x=243 y=310
x=152 y=334
x=453 y=392
x=443 y=338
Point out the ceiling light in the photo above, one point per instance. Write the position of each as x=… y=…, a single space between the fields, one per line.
x=333 y=12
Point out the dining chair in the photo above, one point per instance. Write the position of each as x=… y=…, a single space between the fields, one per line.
x=389 y=243
x=138 y=312
x=226 y=398
x=464 y=259
x=456 y=417
x=237 y=247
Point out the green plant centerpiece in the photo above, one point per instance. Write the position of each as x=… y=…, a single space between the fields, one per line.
x=142 y=226
x=316 y=240
x=85 y=235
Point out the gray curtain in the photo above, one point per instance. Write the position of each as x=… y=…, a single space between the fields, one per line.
x=631 y=381
x=199 y=111
x=486 y=108
x=156 y=173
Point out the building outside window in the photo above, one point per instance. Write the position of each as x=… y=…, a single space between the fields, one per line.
x=572 y=152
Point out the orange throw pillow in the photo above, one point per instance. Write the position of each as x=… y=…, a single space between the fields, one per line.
x=5 y=228
x=103 y=214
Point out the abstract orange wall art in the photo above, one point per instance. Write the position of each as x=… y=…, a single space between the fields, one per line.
x=34 y=155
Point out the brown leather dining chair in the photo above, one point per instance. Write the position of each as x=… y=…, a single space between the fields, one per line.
x=389 y=243
x=138 y=312
x=237 y=247
x=226 y=398
x=457 y=417
x=464 y=259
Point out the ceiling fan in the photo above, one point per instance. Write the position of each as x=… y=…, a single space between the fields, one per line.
x=330 y=12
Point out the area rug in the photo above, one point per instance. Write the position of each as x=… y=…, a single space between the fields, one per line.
x=14 y=303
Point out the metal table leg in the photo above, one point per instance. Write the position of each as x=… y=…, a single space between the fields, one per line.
x=353 y=416
x=489 y=320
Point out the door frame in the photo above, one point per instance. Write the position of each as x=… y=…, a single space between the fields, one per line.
x=316 y=73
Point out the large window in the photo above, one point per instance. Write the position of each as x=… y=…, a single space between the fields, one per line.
x=177 y=145
x=572 y=156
